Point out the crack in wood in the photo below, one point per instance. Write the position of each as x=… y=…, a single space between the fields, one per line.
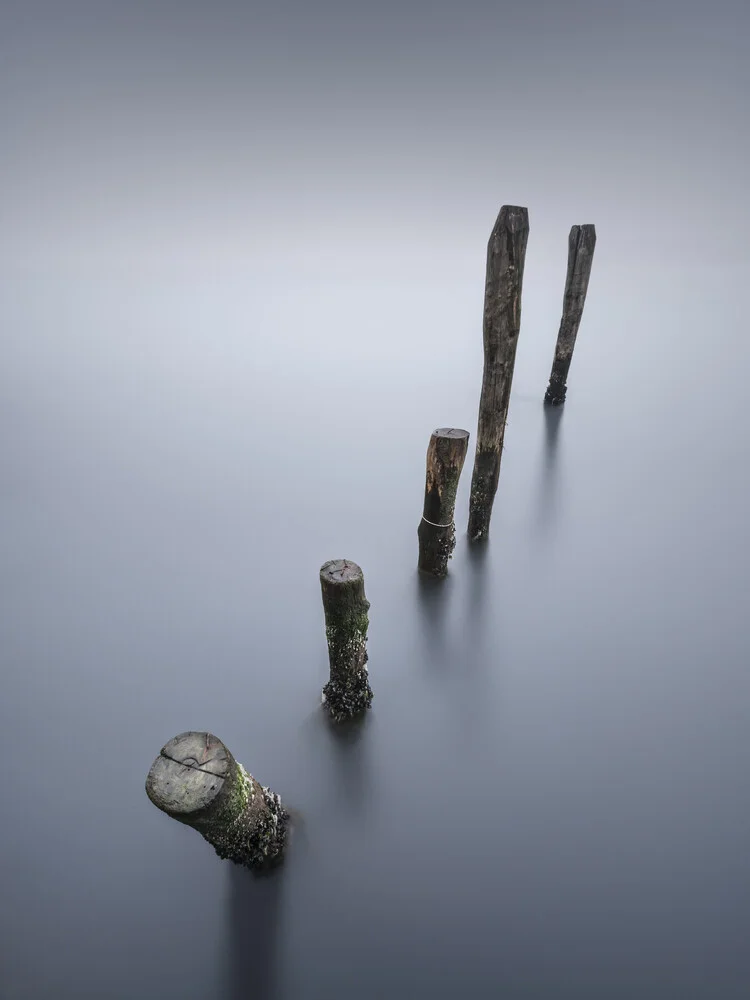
x=195 y=766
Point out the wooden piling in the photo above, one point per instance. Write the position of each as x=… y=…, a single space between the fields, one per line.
x=437 y=531
x=196 y=780
x=506 y=255
x=345 y=606
x=581 y=244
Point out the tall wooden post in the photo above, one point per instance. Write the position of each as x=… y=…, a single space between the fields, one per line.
x=581 y=243
x=506 y=254
x=345 y=606
x=197 y=781
x=437 y=531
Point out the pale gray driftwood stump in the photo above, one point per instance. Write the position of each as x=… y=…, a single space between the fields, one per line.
x=437 y=531
x=506 y=255
x=581 y=244
x=345 y=606
x=197 y=781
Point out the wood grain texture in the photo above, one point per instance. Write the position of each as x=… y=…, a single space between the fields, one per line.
x=581 y=244
x=506 y=256
x=340 y=573
x=446 y=454
x=197 y=781
x=345 y=606
x=188 y=774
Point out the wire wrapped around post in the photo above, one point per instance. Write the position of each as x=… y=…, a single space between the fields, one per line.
x=437 y=530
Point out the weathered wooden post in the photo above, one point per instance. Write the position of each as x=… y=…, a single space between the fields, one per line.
x=581 y=243
x=506 y=254
x=197 y=781
x=348 y=692
x=437 y=530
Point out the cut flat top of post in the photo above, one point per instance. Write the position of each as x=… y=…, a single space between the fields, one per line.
x=188 y=774
x=450 y=432
x=340 y=571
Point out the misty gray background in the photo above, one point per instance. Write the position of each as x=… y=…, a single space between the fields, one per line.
x=242 y=260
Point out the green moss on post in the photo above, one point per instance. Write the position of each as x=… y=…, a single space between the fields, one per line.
x=437 y=530
x=345 y=606
x=197 y=781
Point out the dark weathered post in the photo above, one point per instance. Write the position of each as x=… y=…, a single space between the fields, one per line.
x=506 y=253
x=348 y=692
x=581 y=243
x=437 y=531
x=197 y=781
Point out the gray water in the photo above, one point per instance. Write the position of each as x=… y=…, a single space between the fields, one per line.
x=221 y=370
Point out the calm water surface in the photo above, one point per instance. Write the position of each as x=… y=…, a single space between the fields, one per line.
x=549 y=797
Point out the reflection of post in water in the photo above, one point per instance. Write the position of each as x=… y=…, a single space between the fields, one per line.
x=254 y=924
x=433 y=608
x=548 y=480
x=482 y=656
x=477 y=557
x=349 y=748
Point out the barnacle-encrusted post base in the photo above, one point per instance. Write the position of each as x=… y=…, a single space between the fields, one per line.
x=196 y=780
x=347 y=693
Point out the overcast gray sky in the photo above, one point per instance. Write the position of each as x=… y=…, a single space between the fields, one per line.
x=277 y=129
